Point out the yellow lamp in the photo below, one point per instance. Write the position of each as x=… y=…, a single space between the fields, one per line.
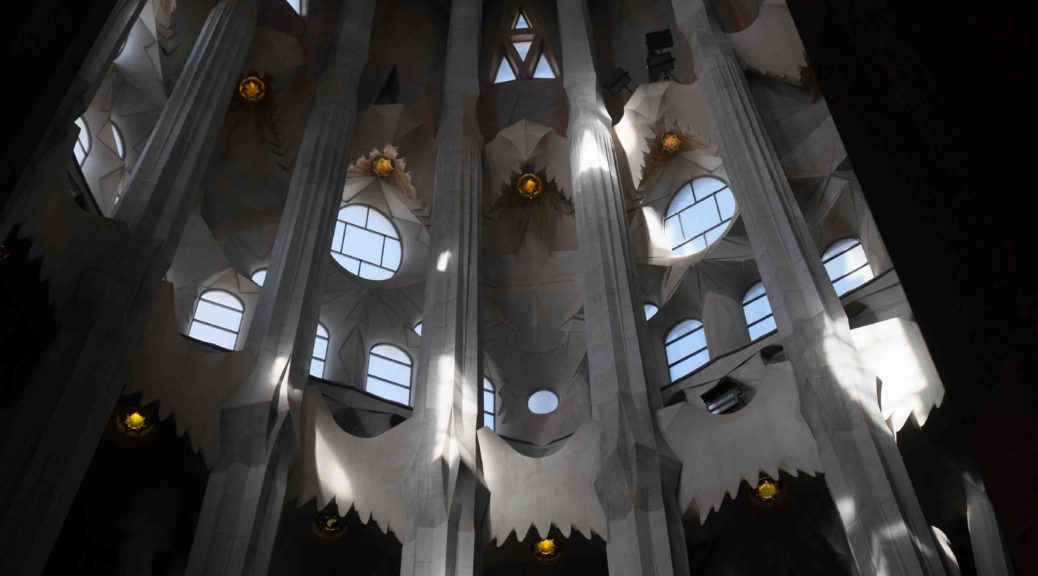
x=767 y=488
x=545 y=550
x=382 y=166
x=252 y=88
x=135 y=422
x=529 y=186
x=671 y=142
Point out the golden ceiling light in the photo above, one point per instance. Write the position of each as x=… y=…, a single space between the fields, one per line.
x=767 y=488
x=671 y=142
x=329 y=526
x=546 y=550
x=529 y=186
x=134 y=422
x=252 y=88
x=383 y=166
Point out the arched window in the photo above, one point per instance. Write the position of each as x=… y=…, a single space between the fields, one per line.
x=489 y=403
x=82 y=146
x=650 y=310
x=296 y=5
x=417 y=328
x=757 y=309
x=847 y=265
x=259 y=276
x=698 y=215
x=366 y=243
x=686 y=348
x=389 y=373
x=525 y=53
x=320 y=352
x=217 y=319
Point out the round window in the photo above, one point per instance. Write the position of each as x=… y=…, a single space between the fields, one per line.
x=698 y=215
x=543 y=402
x=366 y=243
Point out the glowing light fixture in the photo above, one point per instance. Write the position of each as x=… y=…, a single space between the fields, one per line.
x=252 y=88
x=134 y=422
x=768 y=489
x=529 y=186
x=383 y=166
x=329 y=526
x=546 y=550
x=671 y=142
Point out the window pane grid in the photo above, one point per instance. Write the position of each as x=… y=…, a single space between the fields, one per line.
x=698 y=215
x=365 y=243
x=389 y=377
x=217 y=319
x=686 y=348
x=847 y=265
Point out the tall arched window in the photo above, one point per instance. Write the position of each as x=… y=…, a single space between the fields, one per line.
x=698 y=215
x=847 y=265
x=366 y=243
x=489 y=403
x=525 y=53
x=320 y=352
x=389 y=373
x=650 y=310
x=82 y=146
x=259 y=276
x=686 y=348
x=757 y=309
x=217 y=319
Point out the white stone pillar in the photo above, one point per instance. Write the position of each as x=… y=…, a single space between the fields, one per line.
x=78 y=382
x=630 y=482
x=246 y=488
x=866 y=478
x=440 y=488
x=989 y=553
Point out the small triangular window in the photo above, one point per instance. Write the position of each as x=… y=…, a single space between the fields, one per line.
x=504 y=72
x=543 y=69
x=520 y=22
x=523 y=49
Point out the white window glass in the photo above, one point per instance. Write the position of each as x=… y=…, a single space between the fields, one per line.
x=650 y=310
x=520 y=22
x=259 y=276
x=523 y=49
x=296 y=5
x=504 y=72
x=543 y=69
x=489 y=404
x=686 y=348
x=757 y=309
x=847 y=265
x=365 y=243
x=217 y=319
x=82 y=145
x=698 y=215
x=543 y=402
x=320 y=354
x=389 y=373
x=418 y=328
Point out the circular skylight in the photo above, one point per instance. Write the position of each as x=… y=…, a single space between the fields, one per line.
x=366 y=243
x=698 y=215
x=543 y=402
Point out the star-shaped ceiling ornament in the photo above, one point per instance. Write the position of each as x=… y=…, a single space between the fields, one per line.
x=388 y=165
x=535 y=198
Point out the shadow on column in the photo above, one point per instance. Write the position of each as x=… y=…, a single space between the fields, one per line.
x=576 y=556
x=799 y=532
x=136 y=510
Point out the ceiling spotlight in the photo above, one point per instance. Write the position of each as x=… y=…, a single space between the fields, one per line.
x=768 y=489
x=383 y=166
x=529 y=186
x=134 y=422
x=671 y=142
x=329 y=526
x=252 y=88
x=546 y=550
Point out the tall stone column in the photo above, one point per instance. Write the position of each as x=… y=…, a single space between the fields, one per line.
x=246 y=489
x=643 y=538
x=439 y=489
x=77 y=384
x=864 y=473
x=989 y=553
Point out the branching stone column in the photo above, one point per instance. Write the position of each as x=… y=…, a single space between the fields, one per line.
x=630 y=480
x=865 y=475
x=439 y=490
x=246 y=490
x=78 y=382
